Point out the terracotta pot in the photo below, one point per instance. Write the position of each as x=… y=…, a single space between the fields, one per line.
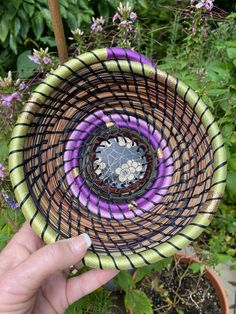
x=211 y=276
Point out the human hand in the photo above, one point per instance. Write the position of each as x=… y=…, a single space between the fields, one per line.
x=33 y=276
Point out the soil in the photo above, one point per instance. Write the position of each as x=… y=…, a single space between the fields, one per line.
x=179 y=291
x=118 y=306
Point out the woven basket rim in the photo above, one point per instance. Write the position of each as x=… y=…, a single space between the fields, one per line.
x=176 y=242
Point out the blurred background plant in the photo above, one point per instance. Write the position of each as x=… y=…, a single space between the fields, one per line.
x=193 y=40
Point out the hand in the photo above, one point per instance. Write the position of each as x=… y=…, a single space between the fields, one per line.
x=33 y=276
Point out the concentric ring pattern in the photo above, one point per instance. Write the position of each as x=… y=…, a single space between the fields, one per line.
x=109 y=145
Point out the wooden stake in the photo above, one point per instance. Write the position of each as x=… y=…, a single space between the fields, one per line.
x=58 y=30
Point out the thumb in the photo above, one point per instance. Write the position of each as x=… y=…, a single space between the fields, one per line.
x=51 y=258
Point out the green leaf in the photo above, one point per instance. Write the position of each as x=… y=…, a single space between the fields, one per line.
x=13 y=43
x=86 y=18
x=227 y=130
x=169 y=64
x=64 y=3
x=89 y=11
x=21 y=13
x=231 y=184
x=47 y=17
x=193 y=83
x=48 y=40
x=29 y=8
x=63 y=12
x=74 y=2
x=162 y=264
x=16 y=3
x=217 y=91
x=4 y=148
x=24 y=28
x=232 y=161
x=103 y=8
x=38 y=24
x=222 y=258
x=218 y=72
x=72 y=21
x=234 y=62
x=231 y=52
x=225 y=105
x=30 y=1
x=231 y=43
x=17 y=25
x=232 y=15
x=4 y=27
x=196 y=268
x=24 y=65
x=139 y=302
x=84 y=4
x=10 y=10
x=78 y=19
x=219 y=68
x=142 y=272
x=113 y=3
x=143 y=4
x=124 y=280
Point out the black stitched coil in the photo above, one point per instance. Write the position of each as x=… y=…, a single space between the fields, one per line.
x=182 y=158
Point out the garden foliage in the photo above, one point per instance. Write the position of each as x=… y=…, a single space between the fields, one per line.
x=196 y=45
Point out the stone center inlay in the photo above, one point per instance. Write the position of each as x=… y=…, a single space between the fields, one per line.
x=119 y=162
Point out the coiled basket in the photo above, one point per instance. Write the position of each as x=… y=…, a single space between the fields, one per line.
x=109 y=145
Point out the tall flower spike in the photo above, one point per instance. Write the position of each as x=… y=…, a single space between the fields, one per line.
x=40 y=56
x=77 y=32
x=97 y=25
x=7 y=81
x=124 y=9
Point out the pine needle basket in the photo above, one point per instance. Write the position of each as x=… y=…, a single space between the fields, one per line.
x=110 y=145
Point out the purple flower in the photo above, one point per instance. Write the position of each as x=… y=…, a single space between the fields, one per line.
x=116 y=17
x=13 y=205
x=207 y=4
x=93 y=26
x=124 y=24
x=6 y=100
x=34 y=58
x=10 y=202
x=5 y=196
x=2 y=171
x=22 y=86
x=47 y=60
x=133 y=16
x=97 y=25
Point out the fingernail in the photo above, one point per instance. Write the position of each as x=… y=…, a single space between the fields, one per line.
x=80 y=243
x=87 y=239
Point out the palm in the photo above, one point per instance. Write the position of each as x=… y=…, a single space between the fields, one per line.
x=51 y=297
x=47 y=300
x=54 y=294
